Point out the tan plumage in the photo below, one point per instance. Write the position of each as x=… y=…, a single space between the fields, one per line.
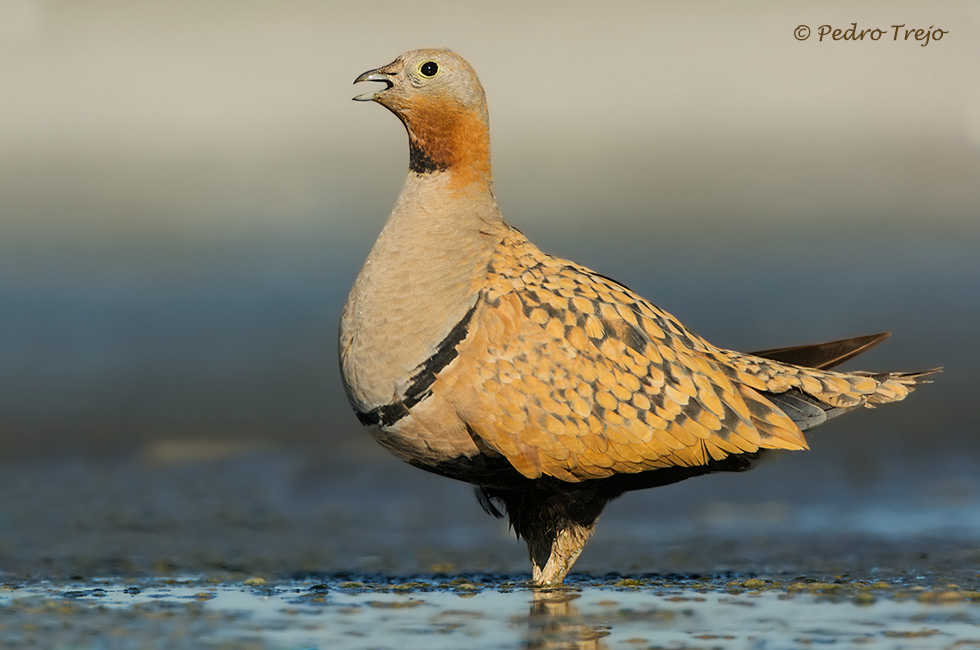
x=470 y=353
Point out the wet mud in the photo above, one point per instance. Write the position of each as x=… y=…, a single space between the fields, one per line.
x=487 y=611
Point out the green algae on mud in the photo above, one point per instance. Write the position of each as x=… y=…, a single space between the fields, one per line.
x=485 y=611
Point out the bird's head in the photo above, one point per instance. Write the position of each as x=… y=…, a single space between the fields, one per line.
x=425 y=76
x=438 y=97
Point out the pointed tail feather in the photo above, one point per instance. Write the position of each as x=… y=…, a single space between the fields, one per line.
x=808 y=411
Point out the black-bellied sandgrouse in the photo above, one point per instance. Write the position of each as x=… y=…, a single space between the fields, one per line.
x=470 y=353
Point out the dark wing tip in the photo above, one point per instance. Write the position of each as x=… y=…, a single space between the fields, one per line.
x=824 y=356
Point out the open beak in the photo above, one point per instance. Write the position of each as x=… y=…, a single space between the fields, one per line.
x=374 y=75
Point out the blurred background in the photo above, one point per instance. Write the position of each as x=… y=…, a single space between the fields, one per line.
x=187 y=193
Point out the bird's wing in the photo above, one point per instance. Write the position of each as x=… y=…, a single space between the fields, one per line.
x=574 y=376
x=577 y=377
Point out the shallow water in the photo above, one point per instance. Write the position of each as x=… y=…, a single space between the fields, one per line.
x=277 y=514
x=284 y=552
x=483 y=611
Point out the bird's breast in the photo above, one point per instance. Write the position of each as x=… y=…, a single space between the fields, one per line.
x=409 y=307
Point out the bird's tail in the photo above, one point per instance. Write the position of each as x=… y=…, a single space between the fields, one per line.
x=891 y=386
x=798 y=380
x=894 y=386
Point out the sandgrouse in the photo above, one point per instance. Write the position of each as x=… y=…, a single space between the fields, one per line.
x=470 y=353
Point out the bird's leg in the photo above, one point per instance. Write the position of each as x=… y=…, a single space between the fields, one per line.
x=554 y=553
x=555 y=525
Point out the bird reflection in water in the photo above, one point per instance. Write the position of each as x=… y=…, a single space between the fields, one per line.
x=554 y=622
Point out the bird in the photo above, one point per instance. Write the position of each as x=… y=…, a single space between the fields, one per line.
x=552 y=389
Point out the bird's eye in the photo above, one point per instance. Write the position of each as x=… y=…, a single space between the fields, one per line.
x=429 y=69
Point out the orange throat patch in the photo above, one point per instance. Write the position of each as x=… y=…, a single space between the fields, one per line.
x=447 y=137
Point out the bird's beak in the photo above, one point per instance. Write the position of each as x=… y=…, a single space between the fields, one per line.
x=374 y=75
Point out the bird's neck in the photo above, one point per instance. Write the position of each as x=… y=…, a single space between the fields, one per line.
x=452 y=140
x=445 y=211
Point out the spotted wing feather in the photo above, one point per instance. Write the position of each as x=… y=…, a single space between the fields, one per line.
x=581 y=378
x=577 y=377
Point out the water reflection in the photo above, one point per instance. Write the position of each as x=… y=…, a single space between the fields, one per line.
x=555 y=622
x=435 y=614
